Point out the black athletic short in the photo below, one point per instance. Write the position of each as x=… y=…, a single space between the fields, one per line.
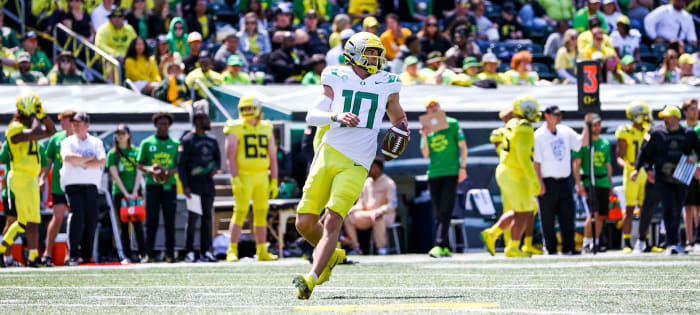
x=693 y=196
x=9 y=211
x=59 y=199
x=603 y=197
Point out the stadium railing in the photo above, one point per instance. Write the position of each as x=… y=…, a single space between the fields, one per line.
x=108 y=69
x=212 y=99
x=20 y=18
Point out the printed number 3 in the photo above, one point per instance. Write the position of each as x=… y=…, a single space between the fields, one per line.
x=357 y=103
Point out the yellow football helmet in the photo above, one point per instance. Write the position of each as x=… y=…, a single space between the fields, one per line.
x=638 y=112
x=355 y=48
x=526 y=106
x=249 y=106
x=27 y=102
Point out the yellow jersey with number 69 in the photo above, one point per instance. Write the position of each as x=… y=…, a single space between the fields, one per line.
x=252 y=155
x=24 y=156
x=634 y=138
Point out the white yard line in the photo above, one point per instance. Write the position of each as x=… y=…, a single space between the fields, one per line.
x=351 y=288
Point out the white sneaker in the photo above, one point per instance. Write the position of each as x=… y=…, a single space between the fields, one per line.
x=208 y=257
x=639 y=247
x=189 y=257
x=675 y=249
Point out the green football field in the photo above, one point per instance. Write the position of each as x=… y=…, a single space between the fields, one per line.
x=466 y=283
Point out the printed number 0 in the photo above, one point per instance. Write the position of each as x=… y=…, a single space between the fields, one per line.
x=355 y=105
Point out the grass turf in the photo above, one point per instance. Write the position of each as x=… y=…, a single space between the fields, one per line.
x=465 y=283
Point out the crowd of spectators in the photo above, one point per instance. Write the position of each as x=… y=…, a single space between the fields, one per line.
x=427 y=42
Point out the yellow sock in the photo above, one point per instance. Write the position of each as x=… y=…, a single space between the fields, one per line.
x=233 y=246
x=528 y=241
x=260 y=248
x=11 y=234
x=514 y=244
x=2 y=249
x=33 y=254
x=626 y=236
x=496 y=230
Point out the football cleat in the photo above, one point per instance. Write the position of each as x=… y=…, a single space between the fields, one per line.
x=532 y=250
x=627 y=250
x=446 y=252
x=305 y=285
x=435 y=252
x=516 y=252
x=489 y=241
x=232 y=255
x=337 y=258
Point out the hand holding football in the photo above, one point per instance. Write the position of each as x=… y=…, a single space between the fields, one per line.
x=395 y=141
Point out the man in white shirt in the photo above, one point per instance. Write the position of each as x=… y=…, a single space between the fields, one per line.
x=101 y=13
x=334 y=54
x=376 y=208
x=625 y=40
x=84 y=159
x=669 y=22
x=553 y=146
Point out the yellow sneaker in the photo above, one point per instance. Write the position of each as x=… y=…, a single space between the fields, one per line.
x=627 y=250
x=532 y=250
x=516 y=252
x=305 y=285
x=263 y=255
x=232 y=254
x=489 y=241
x=655 y=249
x=338 y=257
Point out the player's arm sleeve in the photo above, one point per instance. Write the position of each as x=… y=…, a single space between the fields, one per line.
x=319 y=114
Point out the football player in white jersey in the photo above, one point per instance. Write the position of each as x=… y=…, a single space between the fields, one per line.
x=354 y=100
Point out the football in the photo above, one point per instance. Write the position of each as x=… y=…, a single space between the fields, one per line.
x=395 y=141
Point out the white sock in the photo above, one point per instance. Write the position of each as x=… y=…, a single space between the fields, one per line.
x=587 y=241
x=9 y=259
x=315 y=275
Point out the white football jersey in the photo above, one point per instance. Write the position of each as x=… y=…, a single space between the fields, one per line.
x=367 y=99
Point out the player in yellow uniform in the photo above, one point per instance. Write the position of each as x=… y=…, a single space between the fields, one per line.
x=354 y=100
x=506 y=220
x=516 y=176
x=251 y=154
x=629 y=142
x=21 y=136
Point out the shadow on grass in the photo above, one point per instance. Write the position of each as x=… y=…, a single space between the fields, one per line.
x=391 y=297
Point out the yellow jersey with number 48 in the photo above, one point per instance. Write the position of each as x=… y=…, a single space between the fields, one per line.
x=24 y=156
x=634 y=138
x=252 y=155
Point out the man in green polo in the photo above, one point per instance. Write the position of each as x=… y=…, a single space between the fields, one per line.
x=60 y=203
x=447 y=151
x=602 y=178
x=158 y=158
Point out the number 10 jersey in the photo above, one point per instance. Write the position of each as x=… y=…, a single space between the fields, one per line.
x=365 y=98
x=251 y=154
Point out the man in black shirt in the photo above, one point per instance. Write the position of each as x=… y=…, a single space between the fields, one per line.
x=318 y=38
x=198 y=162
x=665 y=146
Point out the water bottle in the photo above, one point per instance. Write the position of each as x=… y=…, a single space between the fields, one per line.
x=123 y=203
x=132 y=203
